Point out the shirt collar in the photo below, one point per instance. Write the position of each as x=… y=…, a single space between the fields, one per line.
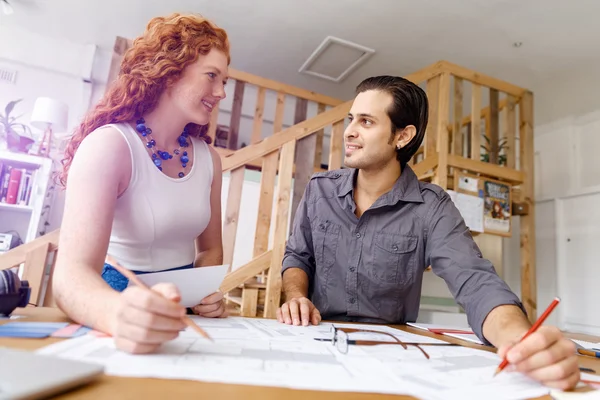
x=405 y=189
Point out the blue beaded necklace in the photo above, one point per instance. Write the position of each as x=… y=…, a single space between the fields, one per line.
x=158 y=156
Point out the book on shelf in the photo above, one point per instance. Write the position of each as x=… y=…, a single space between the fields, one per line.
x=16 y=184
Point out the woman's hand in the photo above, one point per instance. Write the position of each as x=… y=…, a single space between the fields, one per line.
x=212 y=306
x=145 y=319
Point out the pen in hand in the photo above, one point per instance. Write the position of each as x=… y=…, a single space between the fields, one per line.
x=134 y=278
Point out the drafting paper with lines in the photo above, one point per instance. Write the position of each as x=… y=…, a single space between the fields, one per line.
x=265 y=352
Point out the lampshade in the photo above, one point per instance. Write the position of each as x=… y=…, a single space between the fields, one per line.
x=49 y=112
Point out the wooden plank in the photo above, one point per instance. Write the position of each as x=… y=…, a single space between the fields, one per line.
x=258 y=116
x=17 y=255
x=245 y=272
x=214 y=122
x=528 y=269
x=283 y=88
x=249 y=302
x=483 y=80
x=284 y=186
x=494 y=126
x=320 y=135
x=336 y=145
x=511 y=127
x=232 y=214
x=279 y=113
x=236 y=115
x=119 y=49
x=48 y=300
x=484 y=112
x=35 y=266
x=274 y=142
x=457 y=135
x=511 y=176
x=425 y=166
x=304 y=158
x=476 y=123
x=433 y=94
x=441 y=124
x=265 y=204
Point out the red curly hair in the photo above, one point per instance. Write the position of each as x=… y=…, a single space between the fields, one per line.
x=154 y=62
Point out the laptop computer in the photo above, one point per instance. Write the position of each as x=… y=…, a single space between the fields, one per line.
x=27 y=375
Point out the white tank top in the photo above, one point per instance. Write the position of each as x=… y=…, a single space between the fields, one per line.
x=157 y=218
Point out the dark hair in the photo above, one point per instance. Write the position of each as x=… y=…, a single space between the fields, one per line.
x=410 y=107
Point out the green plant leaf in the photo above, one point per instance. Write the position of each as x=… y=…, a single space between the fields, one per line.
x=10 y=106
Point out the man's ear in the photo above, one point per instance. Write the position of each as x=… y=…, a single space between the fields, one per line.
x=405 y=136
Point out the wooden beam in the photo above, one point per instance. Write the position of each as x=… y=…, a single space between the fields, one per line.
x=305 y=158
x=494 y=126
x=511 y=127
x=336 y=145
x=284 y=185
x=511 y=176
x=265 y=203
x=320 y=135
x=482 y=79
x=35 y=266
x=271 y=143
x=528 y=269
x=232 y=214
x=425 y=166
x=457 y=135
x=433 y=94
x=245 y=272
x=120 y=47
x=476 y=123
x=283 y=88
x=236 y=115
x=258 y=116
x=441 y=123
x=16 y=256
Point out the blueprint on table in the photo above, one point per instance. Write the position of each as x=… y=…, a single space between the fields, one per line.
x=267 y=353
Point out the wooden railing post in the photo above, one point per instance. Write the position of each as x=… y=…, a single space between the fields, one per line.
x=440 y=123
x=528 y=273
x=282 y=205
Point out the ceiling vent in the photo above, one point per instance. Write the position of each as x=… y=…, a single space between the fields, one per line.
x=8 y=76
x=335 y=59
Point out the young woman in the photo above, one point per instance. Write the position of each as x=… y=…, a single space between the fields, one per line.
x=144 y=186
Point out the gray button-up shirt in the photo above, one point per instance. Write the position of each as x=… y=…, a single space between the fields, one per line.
x=370 y=269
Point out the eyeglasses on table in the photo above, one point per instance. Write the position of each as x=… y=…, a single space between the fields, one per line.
x=339 y=338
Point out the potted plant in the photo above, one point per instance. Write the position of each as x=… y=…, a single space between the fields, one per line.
x=502 y=145
x=17 y=136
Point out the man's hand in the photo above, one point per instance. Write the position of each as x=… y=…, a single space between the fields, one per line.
x=546 y=356
x=212 y=306
x=299 y=310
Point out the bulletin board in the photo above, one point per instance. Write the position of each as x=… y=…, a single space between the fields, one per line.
x=497 y=201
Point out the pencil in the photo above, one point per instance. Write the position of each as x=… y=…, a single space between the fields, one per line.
x=134 y=278
x=534 y=328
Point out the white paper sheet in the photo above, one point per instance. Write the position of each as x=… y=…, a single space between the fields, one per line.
x=470 y=208
x=194 y=284
x=264 y=352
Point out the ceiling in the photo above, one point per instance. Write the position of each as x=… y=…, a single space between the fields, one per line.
x=273 y=38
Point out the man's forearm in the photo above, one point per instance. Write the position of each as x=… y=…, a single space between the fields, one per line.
x=505 y=324
x=295 y=283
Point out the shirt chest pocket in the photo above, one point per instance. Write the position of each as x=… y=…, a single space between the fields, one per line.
x=325 y=242
x=394 y=258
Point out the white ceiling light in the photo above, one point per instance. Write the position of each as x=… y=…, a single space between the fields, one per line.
x=6 y=7
x=335 y=59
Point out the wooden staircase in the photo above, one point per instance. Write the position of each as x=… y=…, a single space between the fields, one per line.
x=287 y=159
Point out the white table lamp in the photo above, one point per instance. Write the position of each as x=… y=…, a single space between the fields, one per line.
x=49 y=115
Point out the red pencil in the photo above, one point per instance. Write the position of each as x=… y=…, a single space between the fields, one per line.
x=534 y=328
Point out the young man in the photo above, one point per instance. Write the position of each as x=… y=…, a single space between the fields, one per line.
x=363 y=236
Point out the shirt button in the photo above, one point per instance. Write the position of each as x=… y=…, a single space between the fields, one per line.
x=358 y=235
x=395 y=248
x=352 y=269
x=353 y=300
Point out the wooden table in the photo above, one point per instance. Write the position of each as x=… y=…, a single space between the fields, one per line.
x=144 y=388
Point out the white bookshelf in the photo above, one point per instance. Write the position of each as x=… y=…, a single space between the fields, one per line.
x=26 y=219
